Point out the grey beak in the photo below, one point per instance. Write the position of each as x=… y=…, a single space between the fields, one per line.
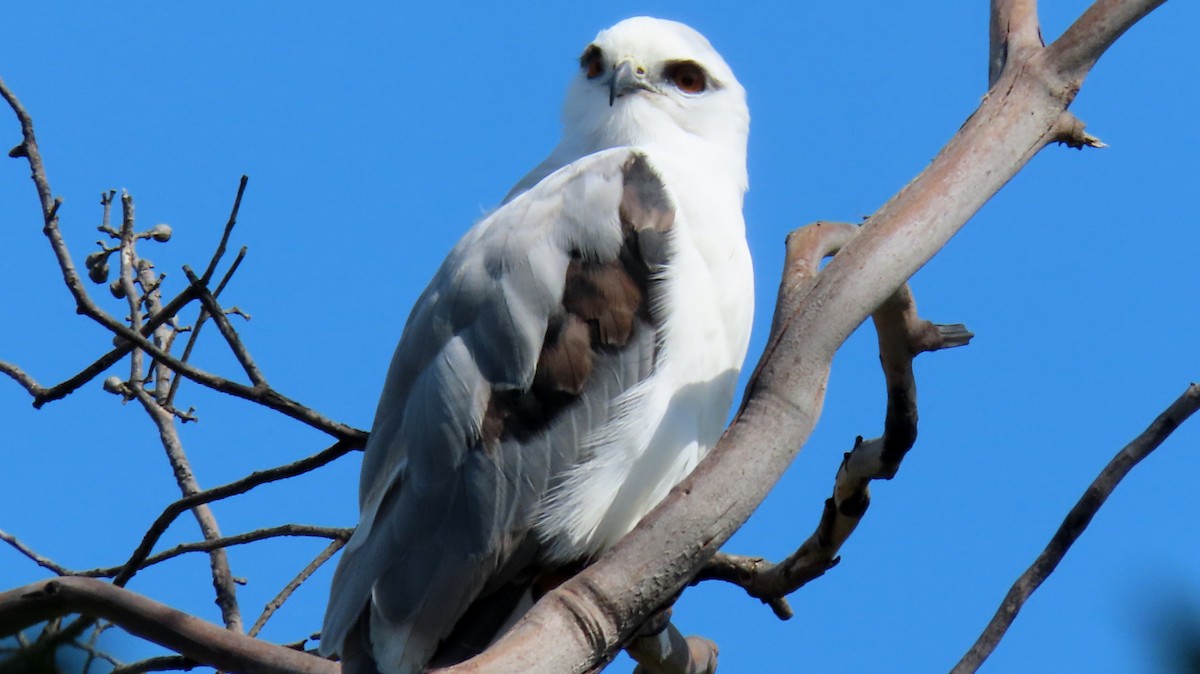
x=627 y=78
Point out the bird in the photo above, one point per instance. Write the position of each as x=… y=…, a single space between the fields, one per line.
x=572 y=359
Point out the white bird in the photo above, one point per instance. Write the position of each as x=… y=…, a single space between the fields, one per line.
x=571 y=361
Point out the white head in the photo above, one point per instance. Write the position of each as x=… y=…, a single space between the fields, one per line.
x=652 y=82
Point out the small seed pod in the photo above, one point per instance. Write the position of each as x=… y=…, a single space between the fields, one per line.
x=161 y=232
x=117 y=290
x=113 y=384
x=98 y=272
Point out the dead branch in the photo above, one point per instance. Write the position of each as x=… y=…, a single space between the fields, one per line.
x=258 y=393
x=902 y=336
x=44 y=562
x=222 y=576
x=214 y=310
x=283 y=530
x=1075 y=523
x=273 y=605
x=162 y=663
x=195 y=331
x=189 y=636
x=159 y=527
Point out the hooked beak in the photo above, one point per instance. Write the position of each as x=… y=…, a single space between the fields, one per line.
x=627 y=78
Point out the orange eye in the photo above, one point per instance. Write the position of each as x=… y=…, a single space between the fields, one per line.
x=592 y=62
x=687 y=76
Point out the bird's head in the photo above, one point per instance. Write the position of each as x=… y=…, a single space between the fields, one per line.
x=647 y=81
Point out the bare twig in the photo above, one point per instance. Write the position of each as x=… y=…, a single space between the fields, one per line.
x=42 y=395
x=233 y=213
x=222 y=577
x=273 y=605
x=195 y=333
x=44 y=562
x=85 y=305
x=156 y=530
x=1075 y=523
x=227 y=331
x=284 y=530
x=162 y=663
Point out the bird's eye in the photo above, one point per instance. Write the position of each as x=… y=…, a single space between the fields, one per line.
x=592 y=62
x=687 y=76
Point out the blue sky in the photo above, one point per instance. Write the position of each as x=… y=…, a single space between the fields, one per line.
x=373 y=136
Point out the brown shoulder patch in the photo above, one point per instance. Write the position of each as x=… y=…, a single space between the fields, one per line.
x=645 y=205
x=566 y=359
x=606 y=296
x=604 y=303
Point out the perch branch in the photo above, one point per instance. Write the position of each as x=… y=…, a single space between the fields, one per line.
x=1075 y=523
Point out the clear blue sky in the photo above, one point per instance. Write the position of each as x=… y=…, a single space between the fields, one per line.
x=374 y=136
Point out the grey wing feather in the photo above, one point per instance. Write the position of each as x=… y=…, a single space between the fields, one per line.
x=461 y=449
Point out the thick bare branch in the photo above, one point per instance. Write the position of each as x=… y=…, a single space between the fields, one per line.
x=191 y=637
x=1075 y=52
x=1013 y=31
x=1074 y=524
x=162 y=663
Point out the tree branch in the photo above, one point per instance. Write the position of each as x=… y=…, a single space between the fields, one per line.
x=902 y=336
x=222 y=576
x=1075 y=523
x=283 y=530
x=1077 y=50
x=159 y=527
x=1013 y=31
x=273 y=605
x=191 y=637
x=44 y=562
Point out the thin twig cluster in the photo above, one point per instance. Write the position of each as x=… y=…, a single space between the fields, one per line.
x=146 y=338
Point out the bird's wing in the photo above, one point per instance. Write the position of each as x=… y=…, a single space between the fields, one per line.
x=541 y=315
